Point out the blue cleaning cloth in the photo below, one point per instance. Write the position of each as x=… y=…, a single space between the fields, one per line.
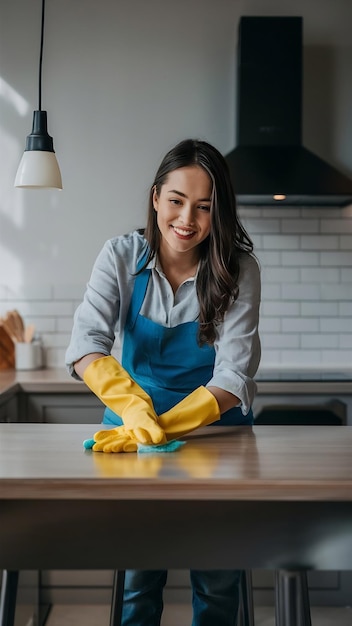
x=171 y=446
x=88 y=444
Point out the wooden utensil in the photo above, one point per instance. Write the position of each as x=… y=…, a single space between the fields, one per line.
x=29 y=333
x=14 y=325
x=7 y=350
x=19 y=324
x=7 y=323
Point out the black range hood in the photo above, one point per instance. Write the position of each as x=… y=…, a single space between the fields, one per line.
x=270 y=166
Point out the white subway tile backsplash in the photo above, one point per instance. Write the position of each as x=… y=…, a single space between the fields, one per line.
x=257 y=241
x=342 y=225
x=320 y=275
x=268 y=258
x=320 y=212
x=345 y=342
x=319 y=341
x=345 y=309
x=68 y=292
x=305 y=254
x=336 y=292
x=319 y=309
x=336 y=324
x=275 y=340
x=319 y=242
x=280 y=212
x=281 y=242
x=336 y=258
x=280 y=308
x=43 y=324
x=55 y=357
x=269 y=325
x=300 y=258
x=346 y=275
x=346 y=242
x=280 y=275
x=300 y=324
x=304 y=291
x=31 y=308
x=271 y=291
x=271 y=358
x=302 y=358
x=56 y=340
x=64 y=324
x=300 y=226
x=247 y=212
x=30 y=292
x=337 y=358
x=260 y=226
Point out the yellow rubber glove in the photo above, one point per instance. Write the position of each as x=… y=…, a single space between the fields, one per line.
x=114 y=440
x=117 y=390
x=200 y=408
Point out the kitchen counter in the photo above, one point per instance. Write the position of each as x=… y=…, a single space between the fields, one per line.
x=57 y=380
x=309 y=381
x=48 y=380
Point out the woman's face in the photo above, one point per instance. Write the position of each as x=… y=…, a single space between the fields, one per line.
x=183 y=208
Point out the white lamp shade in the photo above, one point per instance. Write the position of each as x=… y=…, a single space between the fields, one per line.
x=38 y=169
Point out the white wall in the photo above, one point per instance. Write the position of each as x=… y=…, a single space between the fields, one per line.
x=123 y=81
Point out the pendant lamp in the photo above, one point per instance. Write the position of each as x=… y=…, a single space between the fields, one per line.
x=39 y=168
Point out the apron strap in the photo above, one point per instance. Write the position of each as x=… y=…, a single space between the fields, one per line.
x=139 y=290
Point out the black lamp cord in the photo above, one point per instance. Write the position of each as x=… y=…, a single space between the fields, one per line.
x=41 y=57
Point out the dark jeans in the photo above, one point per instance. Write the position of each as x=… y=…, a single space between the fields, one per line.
x=215 y=597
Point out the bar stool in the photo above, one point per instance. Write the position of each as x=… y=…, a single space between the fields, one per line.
x=246 y=608
x=292 y=607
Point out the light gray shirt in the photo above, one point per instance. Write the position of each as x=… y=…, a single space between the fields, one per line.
x=100 y=319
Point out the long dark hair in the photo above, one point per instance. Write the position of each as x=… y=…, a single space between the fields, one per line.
x=217 y=280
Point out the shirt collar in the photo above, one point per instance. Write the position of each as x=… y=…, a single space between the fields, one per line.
x=155 y=265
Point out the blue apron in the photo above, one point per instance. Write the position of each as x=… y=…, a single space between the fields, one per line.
x=167 y=363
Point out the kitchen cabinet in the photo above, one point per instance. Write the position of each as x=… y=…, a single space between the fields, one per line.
x=8 y=408
x=62 y=408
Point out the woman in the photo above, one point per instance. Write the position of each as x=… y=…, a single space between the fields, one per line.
x=183 y=296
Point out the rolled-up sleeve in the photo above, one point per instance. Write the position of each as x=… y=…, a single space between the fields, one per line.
x=102 y=314
x=237 y=345
x=95 y=318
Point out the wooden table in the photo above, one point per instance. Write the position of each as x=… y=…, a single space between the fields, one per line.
x=268 y=497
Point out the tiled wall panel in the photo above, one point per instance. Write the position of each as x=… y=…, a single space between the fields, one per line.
x=306 y=313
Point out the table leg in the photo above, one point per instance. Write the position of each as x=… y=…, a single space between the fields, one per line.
x=8 y=597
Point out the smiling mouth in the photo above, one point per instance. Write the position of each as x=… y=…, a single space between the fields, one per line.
x=183 y=232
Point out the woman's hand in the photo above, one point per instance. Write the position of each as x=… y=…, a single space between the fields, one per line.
x=113 y=385
x=114 y=440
